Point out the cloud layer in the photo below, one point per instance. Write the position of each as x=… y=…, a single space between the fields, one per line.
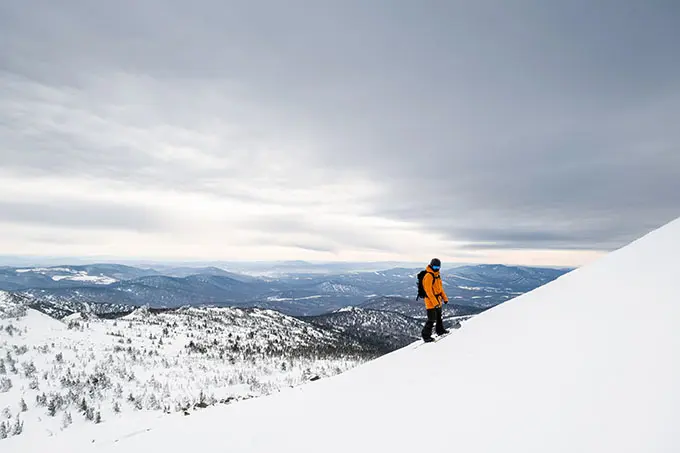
x=339 y=130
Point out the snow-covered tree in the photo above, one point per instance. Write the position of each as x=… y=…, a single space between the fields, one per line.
x=152 y=402
x=67 y=420
x=18 y=427
x=5 y=384
x=29 y=368
x=89 y=414
x=52 y=408
x=41 y=399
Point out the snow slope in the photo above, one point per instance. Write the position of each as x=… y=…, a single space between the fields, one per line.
x=587 y=363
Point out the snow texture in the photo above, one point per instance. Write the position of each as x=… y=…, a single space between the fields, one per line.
x=586 y=363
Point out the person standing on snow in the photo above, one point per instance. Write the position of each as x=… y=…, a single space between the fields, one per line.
x=434 y=296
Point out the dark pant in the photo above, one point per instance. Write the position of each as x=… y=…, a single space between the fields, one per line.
x=434 y=316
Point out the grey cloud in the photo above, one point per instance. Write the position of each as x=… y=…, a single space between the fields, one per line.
x=81 y=215
x=305 y=232
x=525 y=124
x=301 y=239
x=311 y=247
x=48 y=239
x=495 y=237
x=83 y=132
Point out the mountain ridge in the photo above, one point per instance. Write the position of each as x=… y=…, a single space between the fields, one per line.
x=294 y=294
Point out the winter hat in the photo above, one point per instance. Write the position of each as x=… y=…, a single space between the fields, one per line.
x=435 y=262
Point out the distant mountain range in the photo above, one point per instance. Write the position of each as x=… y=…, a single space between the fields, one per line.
x=111 y=287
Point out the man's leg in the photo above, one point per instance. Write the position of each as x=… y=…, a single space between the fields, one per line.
x=440 y=323
x=429 y=324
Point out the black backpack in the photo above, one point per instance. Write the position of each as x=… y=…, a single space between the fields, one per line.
x=421 y=291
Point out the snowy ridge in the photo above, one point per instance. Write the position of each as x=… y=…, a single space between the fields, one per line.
x=538 y=376
x=60 y=307
x=83 y=277
x=65 y=273
x=383 y=329
x=12 y=305
x=333 y=287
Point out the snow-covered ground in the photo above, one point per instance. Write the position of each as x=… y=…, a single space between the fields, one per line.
x=587 y=363
x=286 y=299
x=59 y=376
x=84 y=277
x=65 y=273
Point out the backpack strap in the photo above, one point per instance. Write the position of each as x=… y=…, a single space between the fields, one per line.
x=434 y=278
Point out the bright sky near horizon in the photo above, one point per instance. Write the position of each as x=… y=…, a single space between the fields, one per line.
x=523 y=132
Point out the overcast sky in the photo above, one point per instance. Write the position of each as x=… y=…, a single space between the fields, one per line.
x=531 y=132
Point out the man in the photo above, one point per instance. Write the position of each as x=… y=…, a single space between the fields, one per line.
x=435 y=295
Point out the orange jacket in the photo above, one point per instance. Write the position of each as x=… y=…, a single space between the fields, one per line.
x=432 y=283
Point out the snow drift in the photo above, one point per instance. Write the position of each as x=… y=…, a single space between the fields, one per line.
x=587 y=363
